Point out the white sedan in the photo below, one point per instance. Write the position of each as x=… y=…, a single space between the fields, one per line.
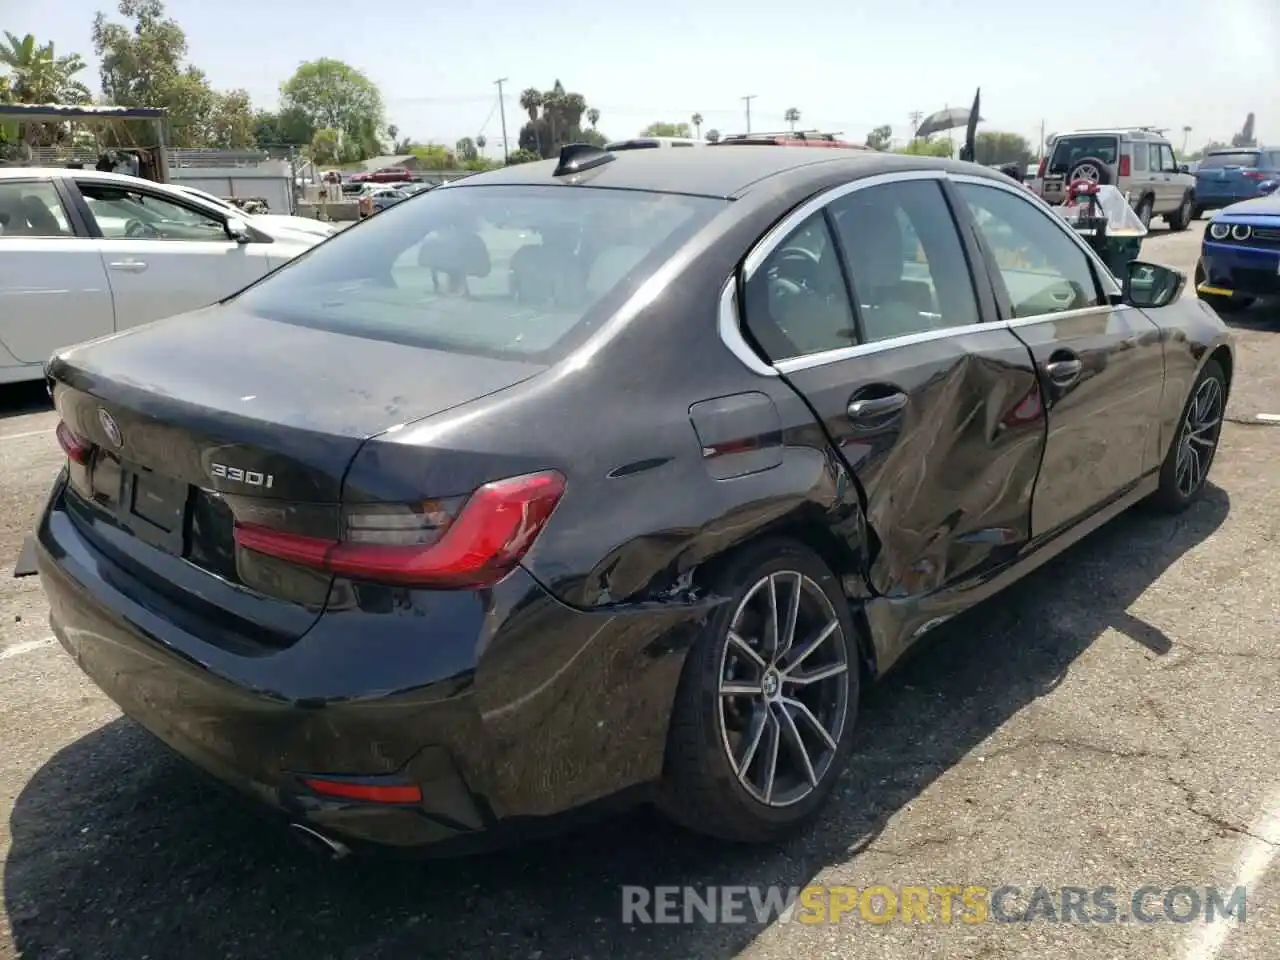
x=271 y=222
x=84 y=254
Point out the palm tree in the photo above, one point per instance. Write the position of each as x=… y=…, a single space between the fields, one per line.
x=1186 y=132
x=38 y=74
x=792 y=116
x=697 y=125
x=481 y=142
x=593 y=117
x=531 y=100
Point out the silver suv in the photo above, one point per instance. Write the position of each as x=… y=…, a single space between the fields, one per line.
x=1138 y=161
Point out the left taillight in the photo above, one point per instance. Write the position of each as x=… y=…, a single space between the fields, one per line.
x=77 y=449
x=459 y=542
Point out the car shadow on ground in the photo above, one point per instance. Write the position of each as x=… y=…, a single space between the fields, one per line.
x=20 y=399
x=119 y=850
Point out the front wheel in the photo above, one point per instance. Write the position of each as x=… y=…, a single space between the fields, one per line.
x=1186 y=466
x=763 y=719
x=1181 y=218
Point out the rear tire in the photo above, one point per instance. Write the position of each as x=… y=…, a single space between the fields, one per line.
x=1181 y=218
x=744 y=706
x=1092 y=169
x=1195 y=444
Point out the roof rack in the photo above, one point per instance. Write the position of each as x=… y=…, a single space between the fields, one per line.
x=787 y=134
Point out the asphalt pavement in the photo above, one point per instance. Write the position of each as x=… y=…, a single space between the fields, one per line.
x=1110 y=722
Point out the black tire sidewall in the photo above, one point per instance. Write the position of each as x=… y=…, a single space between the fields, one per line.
x=701 y=679
x=1169 y=494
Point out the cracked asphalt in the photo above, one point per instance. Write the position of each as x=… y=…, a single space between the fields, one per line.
x=1109 y=722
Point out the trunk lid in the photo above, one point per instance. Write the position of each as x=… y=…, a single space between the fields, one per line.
x=198 y=421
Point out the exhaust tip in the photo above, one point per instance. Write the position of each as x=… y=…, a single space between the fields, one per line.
x=318 y=842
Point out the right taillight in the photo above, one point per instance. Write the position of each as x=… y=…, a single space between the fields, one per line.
x=472 y=542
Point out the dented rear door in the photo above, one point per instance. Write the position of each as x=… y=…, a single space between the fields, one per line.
x=936 y=412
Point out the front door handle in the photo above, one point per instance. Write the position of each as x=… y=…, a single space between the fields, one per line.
x=128 y=266
x=874 y=410
x=1064 y=372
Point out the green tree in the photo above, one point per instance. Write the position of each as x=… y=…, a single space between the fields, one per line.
x=326 y=145
x=880 y=137
x=231 y=121
x=465 y=150
x=926 y=147
x=141 y=64
x=36 y=74
x=286 y=128
x=696 y=120
x=792 y=116
x=713 y=136
x=660 y=128
x=433 y=156
x=481 y=142
x=593 y=117
x=522 y=156
x=992 y=147
x=335 y=95
x=556 y=117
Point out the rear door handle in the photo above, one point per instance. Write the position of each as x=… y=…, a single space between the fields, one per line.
x=128 y=266
x=873 y=410
x=1064 y=372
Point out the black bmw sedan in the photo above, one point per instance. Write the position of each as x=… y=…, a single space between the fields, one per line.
x=610 y=478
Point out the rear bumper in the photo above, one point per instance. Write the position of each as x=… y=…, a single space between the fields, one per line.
x=1239 y=270
x=335 y=705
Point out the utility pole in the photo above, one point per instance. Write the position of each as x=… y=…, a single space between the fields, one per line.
x=502 y=111
x=915 y=116
x=747 y=100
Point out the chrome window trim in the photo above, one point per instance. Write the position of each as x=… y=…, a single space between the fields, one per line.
x=783 y=228
x=730 y=315
x=731 y=331
x=822 y=358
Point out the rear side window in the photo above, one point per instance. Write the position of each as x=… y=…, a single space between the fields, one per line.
x=31 y=209
x=905 y=260
x=513 y=272
x=1069 y=151
x=1238 y=158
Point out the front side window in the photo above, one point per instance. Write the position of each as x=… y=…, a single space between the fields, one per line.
x=1167 y=163
x=122 y=213
x=905 y=259
x=796 y=303
x=512 y=272
x=31 y=209
x=1044 y=270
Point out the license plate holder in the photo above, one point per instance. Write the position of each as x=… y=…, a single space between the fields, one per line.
x=157 y=508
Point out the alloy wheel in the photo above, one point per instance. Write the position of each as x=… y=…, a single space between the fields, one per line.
x=1199 y=437
x=1087 y=171
x=783 y=688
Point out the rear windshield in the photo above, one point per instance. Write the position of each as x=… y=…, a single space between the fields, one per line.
x=1069 y=151
x=513 y=272
x=1237 y=158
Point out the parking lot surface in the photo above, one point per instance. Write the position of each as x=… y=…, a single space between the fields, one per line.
x=1110 y=722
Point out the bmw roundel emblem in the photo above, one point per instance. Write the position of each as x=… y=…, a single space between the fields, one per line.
x=110 y=427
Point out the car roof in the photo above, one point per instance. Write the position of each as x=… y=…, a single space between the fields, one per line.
x=717 y=171
x=52 y=173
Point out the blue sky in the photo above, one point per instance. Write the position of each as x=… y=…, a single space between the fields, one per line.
x=846 y=66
